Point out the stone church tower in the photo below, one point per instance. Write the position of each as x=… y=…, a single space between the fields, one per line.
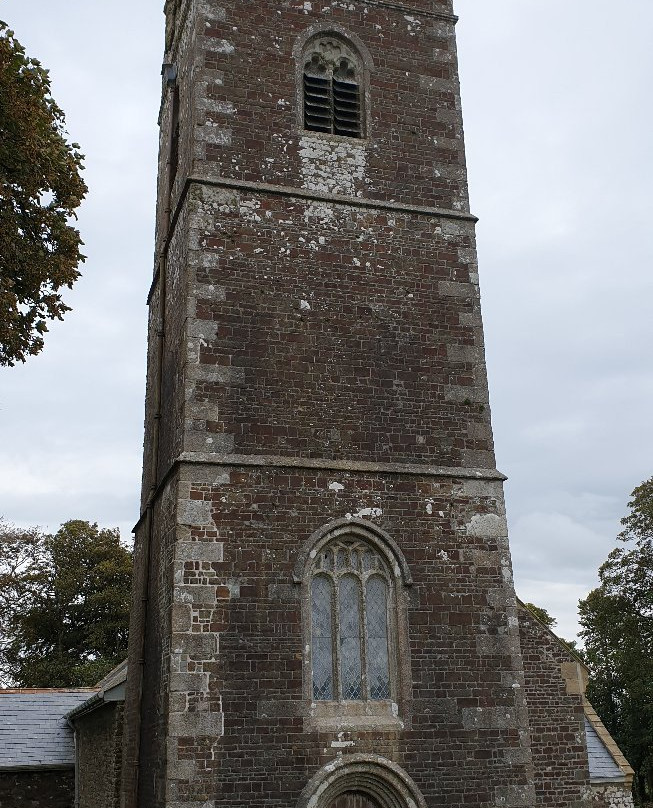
x=324 y=611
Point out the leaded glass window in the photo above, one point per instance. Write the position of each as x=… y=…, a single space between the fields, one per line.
x=350 y=602
x=376 y=605
x=322 y=646
x=349 y=622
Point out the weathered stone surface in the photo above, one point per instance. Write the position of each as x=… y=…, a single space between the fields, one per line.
x=516 y=796
x=196 y=724
x=199 y=551
x=556 y=721
x=203 y=645
x=611 y=796
x=195 y=512
x=99 y=738
x=54 y=789
x=189 y=682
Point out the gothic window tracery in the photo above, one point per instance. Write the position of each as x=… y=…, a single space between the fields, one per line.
x=351 y=594
x=332 y=81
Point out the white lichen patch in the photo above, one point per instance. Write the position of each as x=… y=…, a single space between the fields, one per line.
x=486 y=525
x=335 y=486
x=248 y=208
x=373 y=512
x=323 y=211
x=340 y=744
x=213 y=134
x=218 y=45
x=223 y=107
x=329 y=167
x=414 y=24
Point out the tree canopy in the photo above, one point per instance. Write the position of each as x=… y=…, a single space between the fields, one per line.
x=40 y=190
x=617 y=620
x=542 y=615
x=551 y=622
x=64 y=604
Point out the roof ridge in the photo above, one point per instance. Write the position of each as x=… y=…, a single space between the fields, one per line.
x=19 y=690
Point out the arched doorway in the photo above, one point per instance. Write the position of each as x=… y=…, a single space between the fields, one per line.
x=361 y=781
x=354 y=799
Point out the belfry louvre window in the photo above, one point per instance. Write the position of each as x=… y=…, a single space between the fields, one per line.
x=350 y=608
x=332 y=94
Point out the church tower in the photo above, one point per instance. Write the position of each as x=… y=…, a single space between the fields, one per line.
x=324 y=614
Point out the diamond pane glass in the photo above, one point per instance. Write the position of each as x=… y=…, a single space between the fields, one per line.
x=350 y=638
x=322 y=642
x=376 y=620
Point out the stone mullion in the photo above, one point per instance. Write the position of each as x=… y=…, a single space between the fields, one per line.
x=337 y=685
x=363 y=630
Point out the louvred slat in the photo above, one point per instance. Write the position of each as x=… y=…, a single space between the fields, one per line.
x=317 y=104
x=331 y=106
x=346 y=108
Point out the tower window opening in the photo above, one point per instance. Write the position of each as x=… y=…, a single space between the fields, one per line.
x=331 y=89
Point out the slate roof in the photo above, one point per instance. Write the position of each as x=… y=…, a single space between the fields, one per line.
x=111 y=688
x=602 y=764
x=33 y=731
x=114 y=678
x=603 y=752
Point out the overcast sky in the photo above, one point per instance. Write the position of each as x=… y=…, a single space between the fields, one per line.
x=556 y=97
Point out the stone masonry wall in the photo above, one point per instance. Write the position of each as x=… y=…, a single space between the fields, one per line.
x=555 y=711
x=611 y=796
x=174 y=279
x=99 y=756
x=240 y=724
x=34 y=789
x=160 y=618
x=236 y=63
x=362 y=323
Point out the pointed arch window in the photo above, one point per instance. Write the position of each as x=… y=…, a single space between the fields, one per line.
x=351 y=653
x=332 y=88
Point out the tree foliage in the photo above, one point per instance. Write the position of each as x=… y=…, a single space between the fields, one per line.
x=551 y=622
x=64 y=604
x=542 y=615
x=40 y=189
x=617 y=620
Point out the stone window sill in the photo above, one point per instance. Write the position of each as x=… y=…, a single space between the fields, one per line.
x=339 y=716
